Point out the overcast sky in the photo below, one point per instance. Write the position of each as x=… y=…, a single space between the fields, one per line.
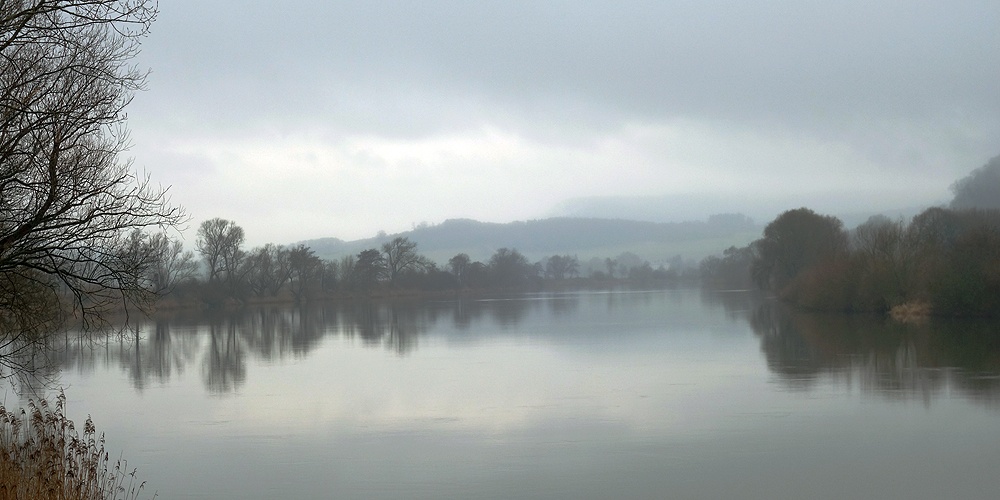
x=304 y=119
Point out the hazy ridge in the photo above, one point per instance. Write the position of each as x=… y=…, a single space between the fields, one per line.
x=584 y=237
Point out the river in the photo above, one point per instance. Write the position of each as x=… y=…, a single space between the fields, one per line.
x=638 y=394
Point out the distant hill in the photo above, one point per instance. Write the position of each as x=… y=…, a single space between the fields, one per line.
x=584 y=237
x=851 y=208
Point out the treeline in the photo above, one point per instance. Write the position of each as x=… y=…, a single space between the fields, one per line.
x=945 y=262
x=221 y=271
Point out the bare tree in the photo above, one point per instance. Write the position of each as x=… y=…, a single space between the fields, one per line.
x=346 y=270
x=220 y=243
x=305 y=270
x=268 y=269
x=560 y=266
x=401 y=255
x=171 y=264
x=458 y=265
x=68 y=201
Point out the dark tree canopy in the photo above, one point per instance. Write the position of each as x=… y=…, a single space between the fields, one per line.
x=368 y=269
x=794 y=241
x=68 y=201
x=979 y=189
x=562 y=266
x=458 y=265
x=510 y=268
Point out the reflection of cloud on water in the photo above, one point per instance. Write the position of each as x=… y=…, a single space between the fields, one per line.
x=489 y=388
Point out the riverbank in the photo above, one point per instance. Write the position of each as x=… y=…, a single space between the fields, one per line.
x=42 y=456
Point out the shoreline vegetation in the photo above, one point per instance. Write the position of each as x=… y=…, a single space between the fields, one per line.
x=944 y=262
x=42 y=456
x=225 y=275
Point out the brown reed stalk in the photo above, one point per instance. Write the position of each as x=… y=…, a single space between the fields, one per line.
x=43 y=457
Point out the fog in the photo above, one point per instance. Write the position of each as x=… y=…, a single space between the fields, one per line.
x=341 y=119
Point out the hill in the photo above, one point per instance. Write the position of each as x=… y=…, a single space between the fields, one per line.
x=583 y=237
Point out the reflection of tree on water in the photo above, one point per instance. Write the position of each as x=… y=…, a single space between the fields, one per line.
x=29 y=372
x=564 y=305
x=225 y=368
x=892 y=359
x=223 y=343
x=505 y=311
x=735 y=303
x=396 y=326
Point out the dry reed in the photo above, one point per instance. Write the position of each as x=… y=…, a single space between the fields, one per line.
x=911 y=312
x=43 y=457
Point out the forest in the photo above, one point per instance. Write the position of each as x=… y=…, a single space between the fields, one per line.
x=945 y=261
x=221 y=272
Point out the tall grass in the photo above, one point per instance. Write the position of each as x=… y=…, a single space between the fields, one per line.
x=43 y=457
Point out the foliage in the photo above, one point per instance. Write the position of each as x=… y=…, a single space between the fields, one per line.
x=458 y=265
x=794 y=241
x=305 y=271
x=277 y=273
x=949 y=259
x=369 y=268
x=509 y=268
x=732 y=269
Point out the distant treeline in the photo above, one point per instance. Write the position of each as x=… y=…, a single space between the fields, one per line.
x=222 y=271
x=945 y=261
x=545 y=236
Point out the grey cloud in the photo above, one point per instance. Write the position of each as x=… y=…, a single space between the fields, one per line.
x=905 y=87
x=801 y=62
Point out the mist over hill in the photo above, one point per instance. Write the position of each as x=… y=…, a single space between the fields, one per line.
x=852 y=209
x=584 y=237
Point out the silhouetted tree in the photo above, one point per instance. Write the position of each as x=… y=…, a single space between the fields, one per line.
x=305 y=270
x=477 y=275
x=795 y=240
x=561 y=266
x=220 y=243
x=346 y=271
x=331 y=270
x=612 y=266
x=171 y=264
x=510 y=268
x=732 y=269
x=626 y=261
x=458 y=266
x=267 y=269
x=369 y=268
x=68 y=201
x=400 y=255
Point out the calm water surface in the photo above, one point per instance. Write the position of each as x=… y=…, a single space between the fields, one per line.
x=629 y=394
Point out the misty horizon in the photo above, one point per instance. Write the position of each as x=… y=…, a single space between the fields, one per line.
x=344 y=119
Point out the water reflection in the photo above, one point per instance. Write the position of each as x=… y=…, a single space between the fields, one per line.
x=222 y=342
x=802 y=350
x=874 y=353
